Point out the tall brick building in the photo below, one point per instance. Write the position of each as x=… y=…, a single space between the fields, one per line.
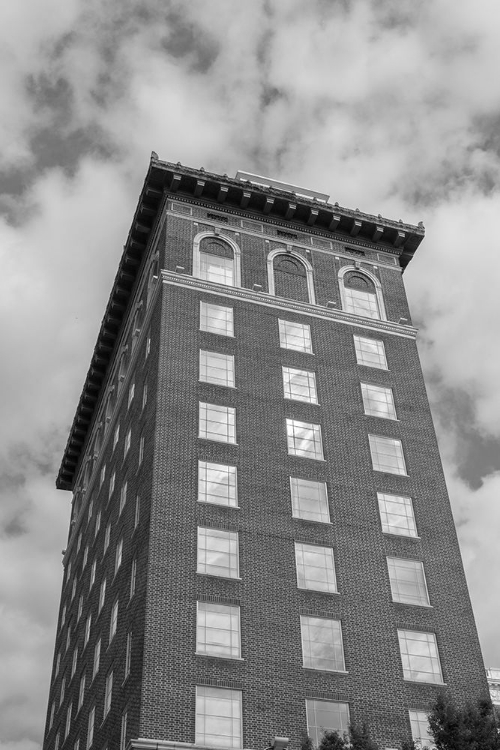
x=261 y=541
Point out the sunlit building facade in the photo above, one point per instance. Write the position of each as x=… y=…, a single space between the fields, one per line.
x=261 y=541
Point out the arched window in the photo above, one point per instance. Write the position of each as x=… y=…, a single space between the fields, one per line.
x=136 y=326
x=361 y=293
x=152 y=278
x=290 y=275
x=216 y=259
x=110 y=405
x=123 y=366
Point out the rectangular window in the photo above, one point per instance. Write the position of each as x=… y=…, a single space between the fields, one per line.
x=396 y=515
x=361 y=303
x=217 y=484
x=90 y=728
x=309 y=500
x=123 y=498
x=133 y=576
x=116 y=435
x=114 y=621
x=90 y=511
x=102 y=476
x=56 y=742
x=63 y=616
x=218 y=553
x=123 y=732
x=300 y=385
x=148 y=345
x=111 y=485
x=126 y=444
x=217 y=423
x=295 y=336
x=85 y=557
x=217 y=368
x=137 y=513
x=322 y=643
x=407 y=579
x=63 y=691
x=131 y=392
x=97 y=658
x=315 y=568
x=326 y=716
x=52 y=712
x=387 y=454
x=79 y=542
x=108 y=693
x=68 y=720
x=81 y=692
x=118 y=555
x=92 y=574
x=141 y=450
x=128 y=655
x=216 y=319
x=73 y=589
x=144 y=395
x=68 y=637
x=80 y=608
x=97 y=524
x=304 y=439
x=107 y=535
x=218 y=630
x=76 y=746
x=218 y=717
x=370 y=352
x=420 y=731
x=102 y=595
x=58 y=664
x=420 y=657
x=216 y=268
x=378 y=401
x=88 y=623
x=74 y=662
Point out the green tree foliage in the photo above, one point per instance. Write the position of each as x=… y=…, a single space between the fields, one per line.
x=333 y=741
x=474 y=728
x=360 y=738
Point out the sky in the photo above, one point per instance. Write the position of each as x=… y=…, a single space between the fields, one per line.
x=389 y=106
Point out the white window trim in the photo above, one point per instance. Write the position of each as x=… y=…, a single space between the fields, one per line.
x=288 y=252
x=373 y=278
x=220 y=236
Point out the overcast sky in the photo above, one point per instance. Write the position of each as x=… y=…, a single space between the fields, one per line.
x=391 y=106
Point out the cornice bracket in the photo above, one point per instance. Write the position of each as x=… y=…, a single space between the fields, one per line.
x=268 y=205
x=313 y=215
x=356 y=226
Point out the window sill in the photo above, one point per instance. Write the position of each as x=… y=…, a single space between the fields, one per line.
x=213 y=440
x=301 y=351
x=378 y=416
x=319 y=591
x=421 y=682
x=401 y=536
x=390 y=473
x=219 y=656
x=308 y=458
x=225 y=578
x=219 y=505
x=301 y=401
x=408 y=604
x=330 y=671
x=221 y=385
x=219 y=333
x=312 y=520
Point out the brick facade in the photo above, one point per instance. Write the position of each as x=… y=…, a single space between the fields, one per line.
x=158 y=696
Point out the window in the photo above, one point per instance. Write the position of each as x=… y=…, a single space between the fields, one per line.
x=300 y=385
x=97 y=658
x=108 y=693
x=107 y=535
x=118 y=555
x=102 y=476
x=80 y=608
x=90 y=511
x=144 y=395
x=141 y=450
x=81 y=692
x=123 y=732
x=76 y=746
x=387 y=454
x=73 y=589
x=88 y=623
x=315 y=568
x=123 y=498
x=137 y=512
x=68 y=720
x=128 y=440
x=79 y=542
x=216 y=319
x=420 y=656
x=370 y=352
x=148 y=345
x=217 y=368
x=218 y=553
x=128 y=655
x=218 y=630
x=396 y=514
x=290 y=276
x=68 y=637
x=102 y=595
x=74 y=662
x=131 y=392
x=217 y=484
x=63 y=691
x=378 y=401
x=361 y=293
x=133 y=576
x=114 y=621
x=116 y=435
x=63 y=616
x=85 y=557
x=309 y=500
x=326 y=716
x=218 y=717
x=420 y=731
x=217 y=423
x=58 y=664
x=216 y=260
x=407 y=579
x=295 y=336
x=304 y=439
x=52 y=712
x=56 y=742
x=322 y=644
x=90 y=728
x=97 y=524
x=92 y=574
x=111 y=485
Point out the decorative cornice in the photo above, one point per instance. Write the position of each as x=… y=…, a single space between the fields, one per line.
x=314 y=311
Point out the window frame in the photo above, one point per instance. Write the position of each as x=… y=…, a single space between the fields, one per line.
x=285 y=336
x=204 y=481
x=292 y=425
x=295 y=499
x=358 y=352
x=308 y=659
x=420 y=583
x=308 y=375
x=288 y=252
x=227 y=650
x=209 y=692
x=302 y=569
x=236 y=256
x=313 y=729
x=368 y=400
x=378 y=291
x=406 y=663
x=233 y=556
x=204 y=318
x=372 y=440
x=228 y=369
x=205 y=412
